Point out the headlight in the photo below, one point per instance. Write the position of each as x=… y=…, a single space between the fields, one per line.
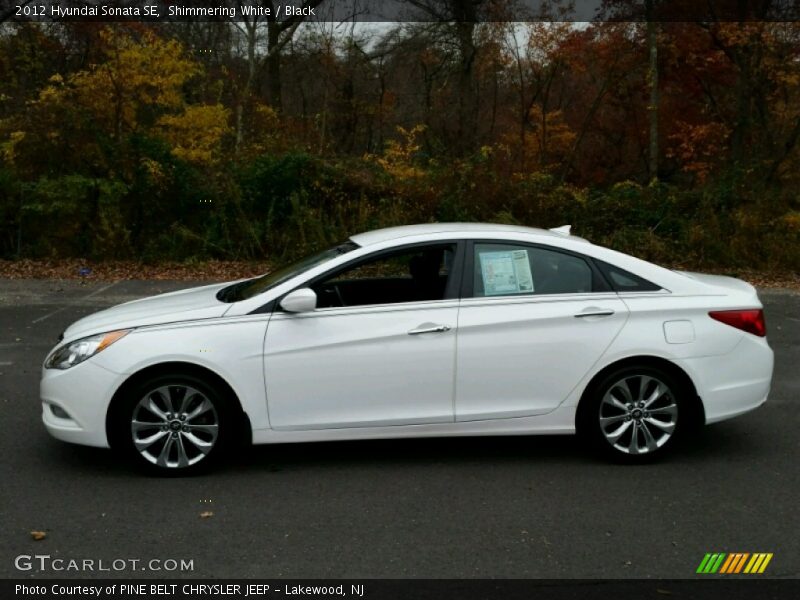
x=78 y=351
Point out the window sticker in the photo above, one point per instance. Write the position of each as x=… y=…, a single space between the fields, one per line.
x=507 y=272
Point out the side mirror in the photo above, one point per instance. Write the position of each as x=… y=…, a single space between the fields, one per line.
x=298 y=301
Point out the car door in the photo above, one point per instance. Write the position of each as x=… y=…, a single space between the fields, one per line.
x=533 y=322
x=378 y=351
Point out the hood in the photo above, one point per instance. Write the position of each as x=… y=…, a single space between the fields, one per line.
x=183 y=305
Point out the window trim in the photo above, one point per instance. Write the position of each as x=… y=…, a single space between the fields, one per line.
x=468 y=274
x=451 y=292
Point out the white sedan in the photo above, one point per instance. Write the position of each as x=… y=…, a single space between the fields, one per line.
x=425 y=330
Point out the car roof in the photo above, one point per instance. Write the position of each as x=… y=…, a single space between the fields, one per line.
x=392 y=233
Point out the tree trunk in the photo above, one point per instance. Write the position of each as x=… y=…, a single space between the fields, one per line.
x=244 y=96
x=467 y=113
x=652 y=82
x=274 y=87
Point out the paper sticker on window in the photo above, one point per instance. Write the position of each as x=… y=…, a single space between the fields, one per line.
x=506 y=272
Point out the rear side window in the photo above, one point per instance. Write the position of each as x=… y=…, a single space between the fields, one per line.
x=624 y=281
x=515 y=269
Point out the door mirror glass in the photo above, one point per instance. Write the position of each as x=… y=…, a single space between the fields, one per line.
x=302 y=300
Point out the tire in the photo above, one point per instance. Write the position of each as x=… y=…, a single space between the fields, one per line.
x=634 y=414
x=173 y=425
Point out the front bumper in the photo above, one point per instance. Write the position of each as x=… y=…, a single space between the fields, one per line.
x=75 y=402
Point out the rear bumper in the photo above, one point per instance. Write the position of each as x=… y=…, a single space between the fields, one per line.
x=734 y=383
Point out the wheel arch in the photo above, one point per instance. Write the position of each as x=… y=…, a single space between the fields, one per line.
x=183 y=368
x=698 y=413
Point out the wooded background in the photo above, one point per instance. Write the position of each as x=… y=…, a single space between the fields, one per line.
x=677 y=142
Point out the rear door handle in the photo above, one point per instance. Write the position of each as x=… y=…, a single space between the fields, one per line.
x=429 y=328
x=595 y=312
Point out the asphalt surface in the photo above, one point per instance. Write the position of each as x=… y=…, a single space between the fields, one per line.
x=485 y=507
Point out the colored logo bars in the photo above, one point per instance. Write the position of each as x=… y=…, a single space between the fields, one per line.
x=736 y=562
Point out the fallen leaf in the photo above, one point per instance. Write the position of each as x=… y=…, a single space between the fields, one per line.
x=115 y=270
x=38 y=535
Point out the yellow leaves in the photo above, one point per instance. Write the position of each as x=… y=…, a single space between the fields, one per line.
x=791 y=221
x=264 y=131
x=154 y=169
x=152 y=69
x=7 y=149
x=196 y=134
x=398 y=156
x=138 y=86
x=266 y=115
x=626 y=187
x=548 y=141
x=149 y=72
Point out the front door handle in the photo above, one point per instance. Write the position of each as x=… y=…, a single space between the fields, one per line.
x=595 y=312
x=429 y=328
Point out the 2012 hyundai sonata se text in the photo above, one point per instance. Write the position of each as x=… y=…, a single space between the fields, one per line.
x=426 y=330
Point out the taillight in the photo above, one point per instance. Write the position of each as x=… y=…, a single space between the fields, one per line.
x=751 y=320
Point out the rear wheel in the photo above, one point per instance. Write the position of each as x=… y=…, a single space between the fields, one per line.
x=634 y=414
x=173 y=425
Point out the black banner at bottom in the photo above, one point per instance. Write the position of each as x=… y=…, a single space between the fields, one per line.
x=461 y=589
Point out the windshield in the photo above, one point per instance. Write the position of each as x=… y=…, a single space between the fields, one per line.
x=253 y=287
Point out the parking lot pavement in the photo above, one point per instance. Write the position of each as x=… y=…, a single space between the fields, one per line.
x=485 y=507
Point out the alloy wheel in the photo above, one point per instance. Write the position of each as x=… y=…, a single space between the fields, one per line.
x=638 y=414
x=174 y=426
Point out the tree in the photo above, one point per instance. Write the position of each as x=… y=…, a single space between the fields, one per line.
x=652 y=83
x=278 y=34
x=461 y=18
x=7 y=13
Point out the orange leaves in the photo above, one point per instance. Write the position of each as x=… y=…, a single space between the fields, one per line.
x=698 y=147
x=550 y=138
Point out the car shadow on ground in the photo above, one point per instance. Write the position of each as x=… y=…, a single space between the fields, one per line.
x=724 y=442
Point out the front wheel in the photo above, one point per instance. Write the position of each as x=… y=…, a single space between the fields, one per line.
x=172 y=425
x=634 y=414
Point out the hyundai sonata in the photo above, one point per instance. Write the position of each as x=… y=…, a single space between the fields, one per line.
x=426 y=330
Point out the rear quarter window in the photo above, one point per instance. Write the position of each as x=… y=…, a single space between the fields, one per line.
x=625 y=281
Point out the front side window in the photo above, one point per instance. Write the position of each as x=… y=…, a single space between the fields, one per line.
x=258 y=285
x=517 y=269
x=416 y=274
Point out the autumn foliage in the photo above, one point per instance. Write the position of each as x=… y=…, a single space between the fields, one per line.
x=187 y=141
